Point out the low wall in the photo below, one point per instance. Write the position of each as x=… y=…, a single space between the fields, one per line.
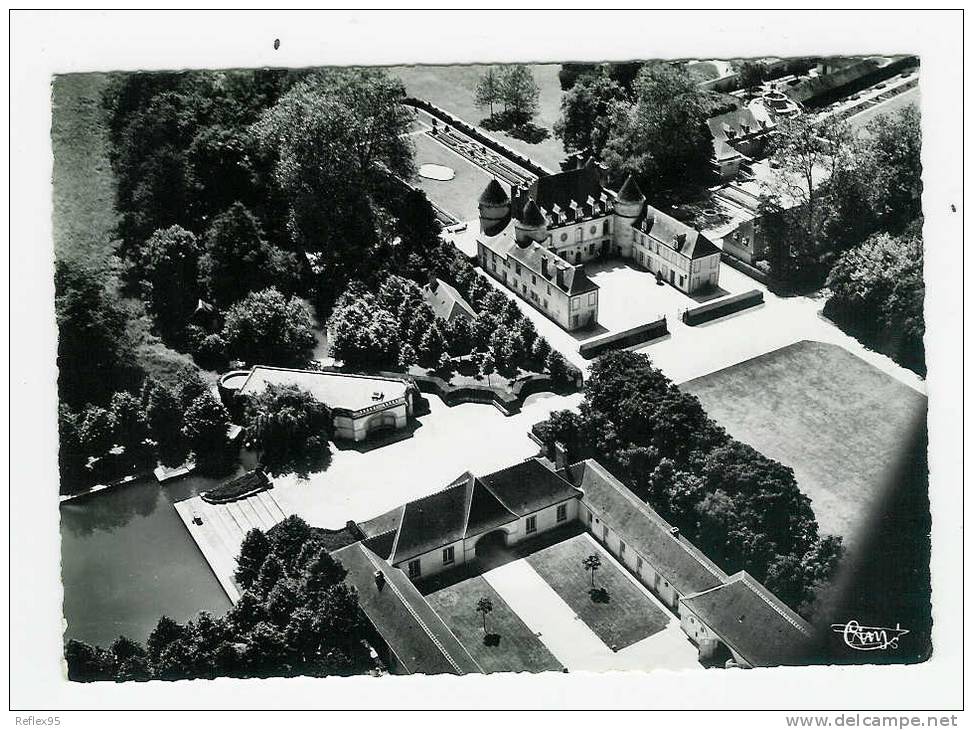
x=625 y=338
x=473 y=132
x=744 y=268
x=715 y=310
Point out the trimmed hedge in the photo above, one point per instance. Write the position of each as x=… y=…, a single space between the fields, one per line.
x=723 y=307
x=625 y=338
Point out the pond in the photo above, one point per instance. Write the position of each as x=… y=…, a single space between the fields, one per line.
x=126 y=559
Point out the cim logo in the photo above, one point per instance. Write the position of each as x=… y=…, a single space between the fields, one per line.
x=869 y=638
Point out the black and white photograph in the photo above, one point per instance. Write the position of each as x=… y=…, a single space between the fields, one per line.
x=611 y=365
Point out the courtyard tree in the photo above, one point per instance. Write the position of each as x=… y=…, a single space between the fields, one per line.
x=487 y=366
x=489 y=90
x=484 y=607
x=269 y=328
x=591 y=564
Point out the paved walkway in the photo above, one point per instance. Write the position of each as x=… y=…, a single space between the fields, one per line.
x=570 y=640
x=223 y=528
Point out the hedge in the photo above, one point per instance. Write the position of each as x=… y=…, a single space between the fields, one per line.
x=723 y=307
x=625 y=338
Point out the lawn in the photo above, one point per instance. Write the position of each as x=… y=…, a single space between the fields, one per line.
x=451 y=88
x=841 y=424
x=517 y=650
x=84 y=187
x=623 y=615
x=458 y=196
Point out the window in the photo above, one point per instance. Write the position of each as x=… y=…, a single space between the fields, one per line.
x=578 y=234
x=575 y=303
x=548 y=290
x=564 y=236
x=621 y=549
x=594 y=230
x=591 y=298
x=591 y=517
x=638 y=565
x=545 y=304
x=604 y=533
x=414 y=569
x=523 y=288
x=562 y=512
x=533 y=279
x=531 y=524
x=517 y=266
x=606 y=228
x=448 y=555
x=591 y=248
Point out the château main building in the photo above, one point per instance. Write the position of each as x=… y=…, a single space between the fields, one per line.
x=537 y=239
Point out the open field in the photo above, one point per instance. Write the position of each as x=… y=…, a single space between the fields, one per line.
x=518 y=649
x=84 y=187
x=841 y=424
x=451 y=88
x=623 y=617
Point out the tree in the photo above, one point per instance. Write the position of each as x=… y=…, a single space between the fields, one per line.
x=167 y=266
x=484 y=607
x=890 y=165
x=407 y=356
x=290 y=428
x=271 y=571
x=164 y=416
x=586 y=112
x=322 y=573
x=165 y=633
x=253 y=551
x=432 y=346
x=541 y=349
x=363 y=334
x=95 y=355
x=591 y=564
x=556 y=368
x=96 y=431
x=519 y=93
x=489 y=90
x=661 y=137
x=286 y=539
x=487 y=366
x=87 y=663
x=268 y=328
x=752 y=75
x=205 y=427
x=237 y=260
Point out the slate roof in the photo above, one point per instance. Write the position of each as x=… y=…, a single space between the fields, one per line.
x=494 y=194
x=675 y=558
x=631 y=192
x=413 y=631
x=563 y=187
x=531 y=214
x=446 y=302
x=752 y=621
x=739 y=123
x=673 y=233
x=504 y=244
x=528 y=487
x=464 y=509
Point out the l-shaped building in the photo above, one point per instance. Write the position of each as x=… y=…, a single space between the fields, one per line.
x=537 y=239
x=732 y=619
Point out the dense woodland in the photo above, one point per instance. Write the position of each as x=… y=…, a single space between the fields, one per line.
x=738 y=506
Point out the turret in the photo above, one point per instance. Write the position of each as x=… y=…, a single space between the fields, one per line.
x=494 y=208
x=531 y=225
x=628 y=207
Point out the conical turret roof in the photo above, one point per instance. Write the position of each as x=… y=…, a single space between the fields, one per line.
x=630 y=192
x=532 y=215
x=494 y=194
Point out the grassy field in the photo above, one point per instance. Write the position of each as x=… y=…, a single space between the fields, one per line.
x=518 y=650
x=626 y=617
x=452 y=87
x=841 y=424
x=84 y=187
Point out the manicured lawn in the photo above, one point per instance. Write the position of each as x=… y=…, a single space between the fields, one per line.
x=84 y=195
x=518 y=650
x=458 y=196
x=451 y=88
x=623 y=617
x=841 y=424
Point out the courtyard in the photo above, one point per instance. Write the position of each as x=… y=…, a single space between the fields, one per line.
x=841 y=424
x=545 y=615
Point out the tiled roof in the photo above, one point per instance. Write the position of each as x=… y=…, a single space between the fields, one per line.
x=753 y=622
x=494 y=194
x=675 y=558
x=740 y=123
x=421 y=642
x=529 y=486
x=563 y=187
x=446 y=302
x=674 y=234
x=575 y=280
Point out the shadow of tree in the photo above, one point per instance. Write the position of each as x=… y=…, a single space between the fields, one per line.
x=491 y=640
x=599 y=595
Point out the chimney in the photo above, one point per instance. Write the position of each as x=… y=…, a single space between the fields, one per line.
x=544 y=271
x=379 y=580
x=674 y=531
x=560 y=456
x=560 y=277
